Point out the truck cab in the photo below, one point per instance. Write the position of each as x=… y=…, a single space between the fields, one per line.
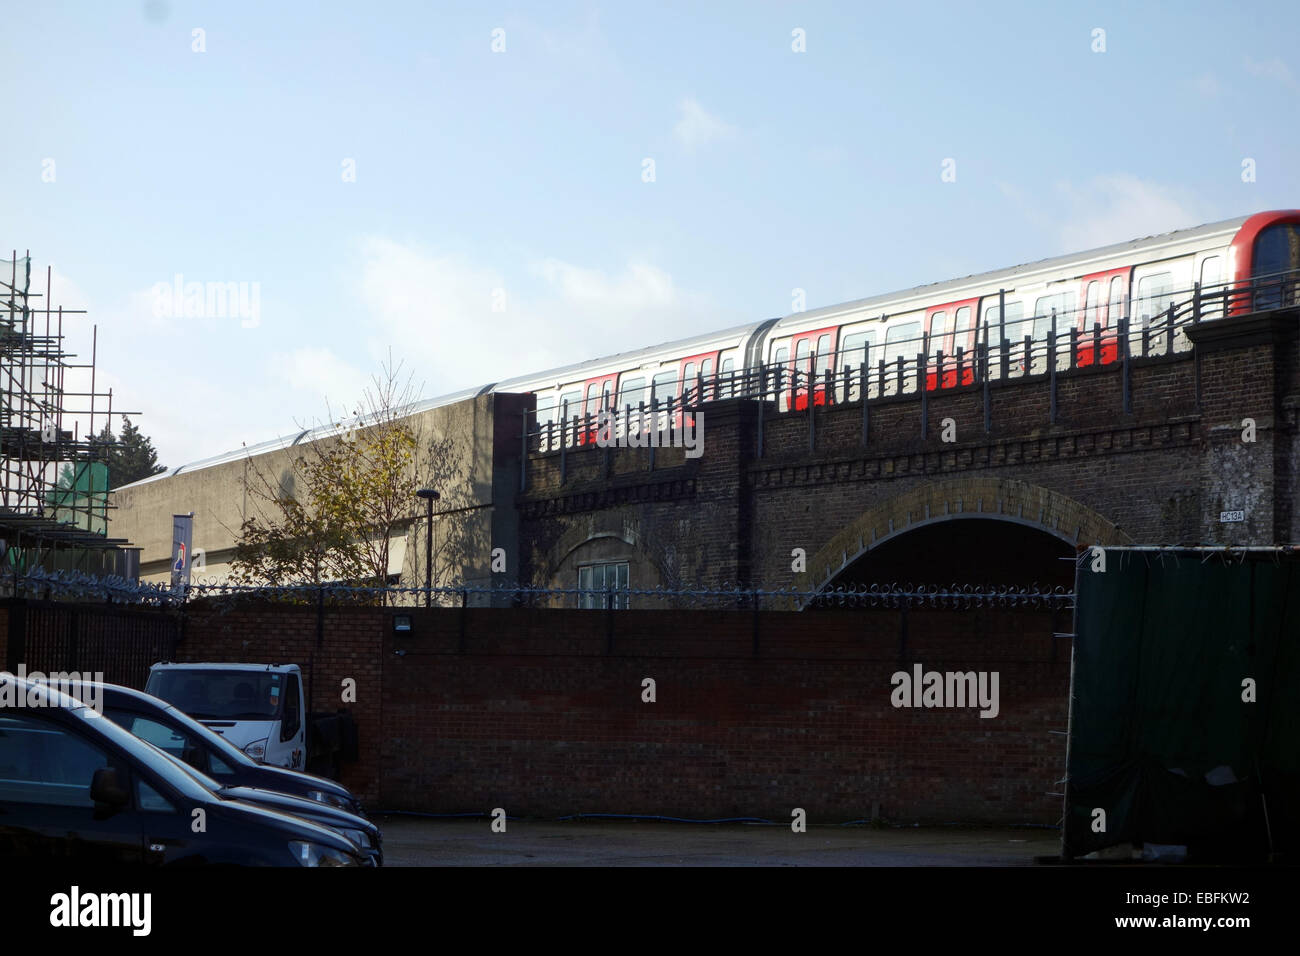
x=260 y=708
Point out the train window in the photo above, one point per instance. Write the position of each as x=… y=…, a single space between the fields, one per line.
x=725 y=371
x=1210 y=272
x=1092 y=305
x=854 y=349
x=664 y=386
x=688 y=382
x=902 y=339
x=1155 y=293
x=1277 y=250
x=961 y=330
x=593 y=394
x=1116 y=304
x=706 y=372
x=939 y=333
x=573 y=400
x=779 y=358
x=631 y=392
x=1063 y=303
x=823 y=355
x=545 y=409
x=1015 y=315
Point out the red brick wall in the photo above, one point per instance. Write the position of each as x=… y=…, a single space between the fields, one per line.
x=540 y=713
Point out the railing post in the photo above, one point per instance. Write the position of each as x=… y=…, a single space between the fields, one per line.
x=1004 y=358
x=1051 y=373
x=984 y=360
x=922 y=383
x=1169 y=330
x=866 y=411
x=653 y=437
x=523 y=453
x=1128 y=387
x=564 y=439
x=1028 y=363
x=812 y=418
x=1196 y=302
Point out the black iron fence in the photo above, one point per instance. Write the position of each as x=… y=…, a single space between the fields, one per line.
x=1003 y=345
x=93 y=639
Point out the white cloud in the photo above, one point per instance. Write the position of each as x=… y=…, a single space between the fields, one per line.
x=1119 y=206
x=459 y=323
x=320 y=372
x=698 y=127
x=1272 y=69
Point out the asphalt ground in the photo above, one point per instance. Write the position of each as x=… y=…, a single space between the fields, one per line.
x=420 y=841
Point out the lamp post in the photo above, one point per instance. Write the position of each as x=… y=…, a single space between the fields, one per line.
x=429 y=496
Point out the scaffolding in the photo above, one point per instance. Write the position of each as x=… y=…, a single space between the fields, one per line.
x=53 y=450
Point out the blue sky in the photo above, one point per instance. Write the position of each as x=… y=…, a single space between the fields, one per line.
x=516 y=177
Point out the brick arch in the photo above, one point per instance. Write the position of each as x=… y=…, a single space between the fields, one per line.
x=998 y=499
x=584 y=533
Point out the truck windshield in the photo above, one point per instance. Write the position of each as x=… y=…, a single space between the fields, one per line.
x=220 y=694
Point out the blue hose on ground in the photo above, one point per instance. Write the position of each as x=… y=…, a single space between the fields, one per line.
x=758 y=821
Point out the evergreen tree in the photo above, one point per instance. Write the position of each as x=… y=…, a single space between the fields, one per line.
x=134 y=458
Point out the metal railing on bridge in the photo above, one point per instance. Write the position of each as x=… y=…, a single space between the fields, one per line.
x=1032 y=347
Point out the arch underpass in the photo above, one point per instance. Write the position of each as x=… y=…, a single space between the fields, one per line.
x=978 y=531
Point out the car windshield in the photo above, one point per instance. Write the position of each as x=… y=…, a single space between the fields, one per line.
x=221 y=694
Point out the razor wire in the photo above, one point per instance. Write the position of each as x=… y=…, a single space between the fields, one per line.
x=72 y=585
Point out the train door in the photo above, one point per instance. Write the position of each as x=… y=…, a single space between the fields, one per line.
x=813 y=355
x=598 y=396
x=1103 y=295
x=949 y=327
x=697 y=377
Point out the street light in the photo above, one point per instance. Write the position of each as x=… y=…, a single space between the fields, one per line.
x=429 y=496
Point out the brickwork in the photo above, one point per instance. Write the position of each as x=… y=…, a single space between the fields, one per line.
x=1159 y=474
x=541 y=711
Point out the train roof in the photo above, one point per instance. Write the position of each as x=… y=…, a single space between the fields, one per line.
x=569 y=373
x=936 y=292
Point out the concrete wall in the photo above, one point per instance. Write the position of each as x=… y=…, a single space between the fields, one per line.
x=465 y=452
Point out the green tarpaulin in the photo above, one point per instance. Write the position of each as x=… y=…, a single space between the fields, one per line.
x=1165 y=740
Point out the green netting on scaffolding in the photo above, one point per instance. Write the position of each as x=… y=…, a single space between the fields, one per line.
x=1185 y=721
x=80 y=497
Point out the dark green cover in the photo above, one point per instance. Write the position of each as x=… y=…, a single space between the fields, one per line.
x=1163 y=644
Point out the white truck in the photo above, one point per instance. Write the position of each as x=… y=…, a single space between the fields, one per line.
x=261 y=709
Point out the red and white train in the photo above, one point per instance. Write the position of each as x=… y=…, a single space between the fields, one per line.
x=1087 y=291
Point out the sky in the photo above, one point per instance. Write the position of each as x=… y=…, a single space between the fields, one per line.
x=482 y=190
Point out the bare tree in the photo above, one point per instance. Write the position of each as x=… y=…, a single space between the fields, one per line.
x=331 y=514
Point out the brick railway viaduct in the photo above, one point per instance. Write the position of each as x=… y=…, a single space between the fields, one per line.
x=1045 y=464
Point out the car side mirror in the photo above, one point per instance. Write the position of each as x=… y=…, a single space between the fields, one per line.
x=106 y=789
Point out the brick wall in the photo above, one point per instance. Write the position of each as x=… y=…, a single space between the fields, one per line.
x=540 y=711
